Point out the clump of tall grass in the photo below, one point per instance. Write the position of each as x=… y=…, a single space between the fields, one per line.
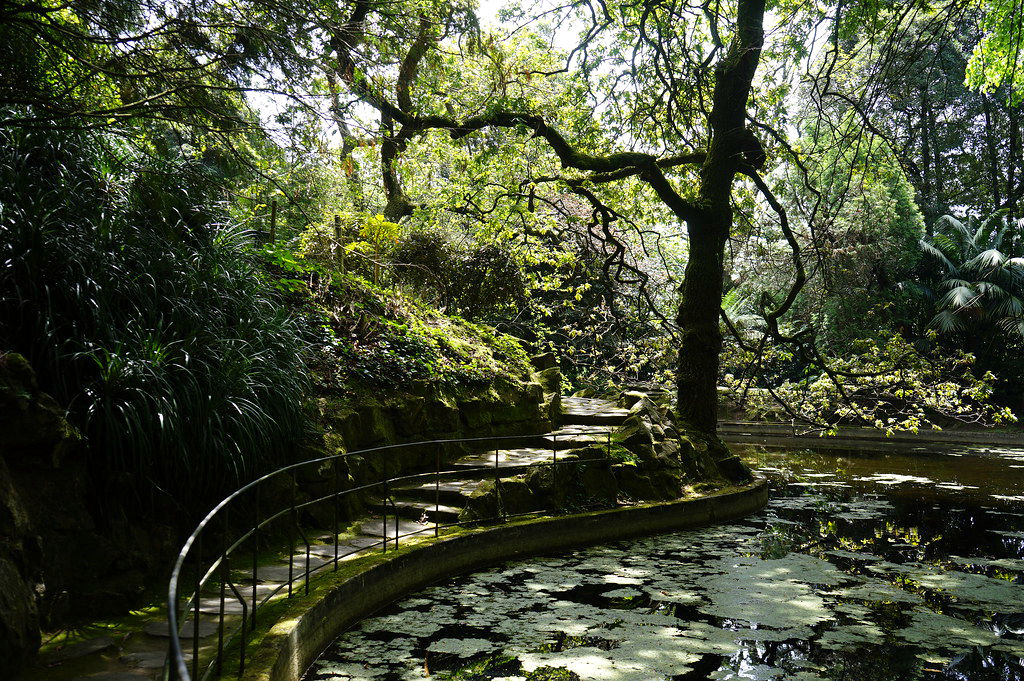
x=175 y=360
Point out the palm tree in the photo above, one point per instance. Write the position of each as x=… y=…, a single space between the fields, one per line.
x=981 y=284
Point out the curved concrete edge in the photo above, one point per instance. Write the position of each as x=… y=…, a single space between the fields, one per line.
x=304 y=638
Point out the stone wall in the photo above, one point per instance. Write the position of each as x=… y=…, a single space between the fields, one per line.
x=509 y=409
x=649 y=458
x=34 y=438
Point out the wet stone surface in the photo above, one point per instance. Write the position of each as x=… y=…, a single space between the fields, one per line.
x=861 y=567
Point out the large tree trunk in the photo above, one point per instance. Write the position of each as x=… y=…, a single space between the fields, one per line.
x=701 y=338
x=731 y=144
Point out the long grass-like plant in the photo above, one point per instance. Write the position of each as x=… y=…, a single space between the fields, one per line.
x=175 y=360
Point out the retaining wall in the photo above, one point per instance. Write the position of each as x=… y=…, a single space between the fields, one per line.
x=309 y=634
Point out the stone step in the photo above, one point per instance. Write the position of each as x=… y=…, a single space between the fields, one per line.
x=449 y=492
x=507 y=458
x=417 y=510
x=325 y=547
x=75 y=651
x=576 y=436
x=591 y=403
x=233 y=606
x=611 y=418
x=272 y=575
x=150 y=660
x=592 y=412
x=373 y=527
x=186 y=630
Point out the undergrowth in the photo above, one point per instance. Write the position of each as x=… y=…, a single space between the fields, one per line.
x=370 y=336
x=175 y=360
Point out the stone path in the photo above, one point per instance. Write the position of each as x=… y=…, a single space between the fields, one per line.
x=140 y=655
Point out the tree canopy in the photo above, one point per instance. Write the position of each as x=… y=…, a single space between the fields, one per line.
x=638 y=185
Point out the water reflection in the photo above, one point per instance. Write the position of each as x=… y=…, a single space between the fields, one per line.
x=874 y=568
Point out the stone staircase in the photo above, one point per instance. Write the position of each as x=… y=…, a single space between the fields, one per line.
x=411 y=509
x=585 y=421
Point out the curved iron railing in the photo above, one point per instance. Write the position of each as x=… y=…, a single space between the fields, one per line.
x=215 y=568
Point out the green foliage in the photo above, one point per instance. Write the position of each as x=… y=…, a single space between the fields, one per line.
x=998 y=58
x=372 y=338
x=889 y=385
x=867 y=228
x=179 y=366
x=978 y=281
x=853 y=212
x=470 y=277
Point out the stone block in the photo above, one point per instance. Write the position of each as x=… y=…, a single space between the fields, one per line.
x=549 y=379
x=442 y=416
x=19 y=621
x=629 y=398
x=409 y=417
x=375 y=426
x=635 y=435
x=476 y=414
x=544 y=361
x=647 y=485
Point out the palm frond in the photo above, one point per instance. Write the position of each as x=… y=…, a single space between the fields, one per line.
x=936 y=251
x=1007 y=306
x=1013 y=325
x=946 y=322
x=959 y=298
x=988 y=259
x=954 y=283
x=956 y=226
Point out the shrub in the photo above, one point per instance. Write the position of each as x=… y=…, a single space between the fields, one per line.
x=475 y=279
x=176 y=362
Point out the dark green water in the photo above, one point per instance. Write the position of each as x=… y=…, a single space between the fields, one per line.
x=862 y=567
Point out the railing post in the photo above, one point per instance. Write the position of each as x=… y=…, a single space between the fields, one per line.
x=244 y=640
x=337 y=491
x=223 y=585
x=384 y=515
x=255 y=551
x=437 y=490
x=172 y=662
x=500 y=506
x=195 y=606
x=291 y=537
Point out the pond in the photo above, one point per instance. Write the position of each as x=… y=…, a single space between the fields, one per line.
x=861 y=567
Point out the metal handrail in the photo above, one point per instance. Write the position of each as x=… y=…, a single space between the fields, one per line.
x=176 y=666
